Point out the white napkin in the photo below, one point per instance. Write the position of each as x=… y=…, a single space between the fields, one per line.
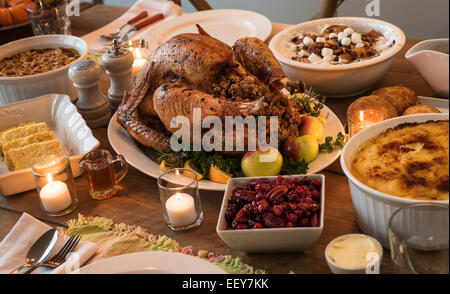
x=14 y=247
x=168 y=8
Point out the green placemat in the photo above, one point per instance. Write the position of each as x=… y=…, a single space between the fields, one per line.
x=115 y=239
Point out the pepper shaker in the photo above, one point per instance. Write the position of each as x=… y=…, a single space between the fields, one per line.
x=91 y=104
x=118 y=63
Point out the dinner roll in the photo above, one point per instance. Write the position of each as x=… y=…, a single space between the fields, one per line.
x=421 y=108
x=373 y=102
x=400 y=97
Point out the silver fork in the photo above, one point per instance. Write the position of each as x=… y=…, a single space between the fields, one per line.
x=60 y=257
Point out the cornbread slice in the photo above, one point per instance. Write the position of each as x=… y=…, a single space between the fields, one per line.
x=21 y=142
x=27 y=156
x=11 y=128
x=21 y=132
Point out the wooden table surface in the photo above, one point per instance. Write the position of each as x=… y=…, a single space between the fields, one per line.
x=138 y=200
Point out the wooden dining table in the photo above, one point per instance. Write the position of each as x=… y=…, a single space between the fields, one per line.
x=138 y=203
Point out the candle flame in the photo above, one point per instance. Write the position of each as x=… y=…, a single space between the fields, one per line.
x=361 y=115
x=138 y=53
x=49 y=178
x=130 y=44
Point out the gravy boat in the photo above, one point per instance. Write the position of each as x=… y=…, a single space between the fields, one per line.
x=430 y=58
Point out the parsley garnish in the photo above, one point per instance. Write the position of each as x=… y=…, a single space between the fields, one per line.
x=293 y=167
x=310 y=102
x=329 y=145
x=202 y=161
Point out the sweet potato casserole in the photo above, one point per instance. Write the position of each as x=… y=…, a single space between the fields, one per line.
x=36 y=61
x=410 y=161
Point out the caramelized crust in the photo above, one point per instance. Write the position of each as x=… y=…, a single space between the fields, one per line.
x=410 y=161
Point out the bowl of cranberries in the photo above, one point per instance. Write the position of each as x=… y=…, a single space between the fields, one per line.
x=272 y=214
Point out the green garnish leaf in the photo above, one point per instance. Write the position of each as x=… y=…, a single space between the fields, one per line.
x=329 y=145
x=293 y=167
x=310 y=102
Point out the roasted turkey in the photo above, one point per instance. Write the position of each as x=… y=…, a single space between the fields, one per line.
x=198 y=71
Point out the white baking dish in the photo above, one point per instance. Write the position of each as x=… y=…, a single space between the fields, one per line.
x=269 y=240
x=373 y=209
x=13 y=89
x=66 y=123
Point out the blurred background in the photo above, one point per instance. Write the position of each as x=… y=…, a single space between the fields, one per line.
x=419 y=19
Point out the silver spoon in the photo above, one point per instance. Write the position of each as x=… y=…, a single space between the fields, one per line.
x=40 y=250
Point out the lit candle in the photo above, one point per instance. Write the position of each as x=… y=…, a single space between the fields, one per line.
x=139 y=60
x=363 y=119
x=55 y=195
x=181 y=209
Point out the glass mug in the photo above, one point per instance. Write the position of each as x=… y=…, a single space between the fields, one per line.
x=102 y=174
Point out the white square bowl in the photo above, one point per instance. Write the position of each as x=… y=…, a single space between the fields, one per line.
x=66 y=123
x=268 y=240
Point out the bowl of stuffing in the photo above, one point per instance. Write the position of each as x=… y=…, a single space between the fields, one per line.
x=38 y=65
x=339 y=57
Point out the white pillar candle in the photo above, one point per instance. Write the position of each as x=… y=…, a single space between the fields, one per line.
x=55 y=196
x=181 y=209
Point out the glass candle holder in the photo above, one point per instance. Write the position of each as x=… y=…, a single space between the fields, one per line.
x=49 y=17
x=180 y=199
x=362 y=119
x=55 y=185
x=139 y=49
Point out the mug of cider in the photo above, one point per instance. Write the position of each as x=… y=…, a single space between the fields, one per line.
x=103 y=172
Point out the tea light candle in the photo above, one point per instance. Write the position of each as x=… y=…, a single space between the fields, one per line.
x=139 y=59
x=363 y=119
x=55 y=195
x=181 y=209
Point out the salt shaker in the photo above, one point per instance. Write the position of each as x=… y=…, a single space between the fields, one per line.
x=118 y=63
x=91 y=104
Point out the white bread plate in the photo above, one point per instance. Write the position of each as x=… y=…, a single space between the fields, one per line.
x=13 y=89
x=343 y=80
x=373 y=208
x=66 y=123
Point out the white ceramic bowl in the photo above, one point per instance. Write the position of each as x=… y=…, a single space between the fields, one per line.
x=340 y=80
x=268 y=240
x=430 y=57
x=373 y=208
x=13 y=89
x=63 y=119
x=336 y=269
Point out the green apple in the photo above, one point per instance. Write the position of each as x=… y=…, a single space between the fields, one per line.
x=311 y=125
x=301 y=148
x=262 y=163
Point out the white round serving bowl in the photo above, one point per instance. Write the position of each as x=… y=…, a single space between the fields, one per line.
x=340 y=80
x=13 y=89
x=373 y=208
x=269 y=240
x=336 y=269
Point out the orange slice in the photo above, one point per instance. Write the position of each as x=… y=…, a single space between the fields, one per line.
x=219 y=176
x=188 y=164
x=162 y=166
